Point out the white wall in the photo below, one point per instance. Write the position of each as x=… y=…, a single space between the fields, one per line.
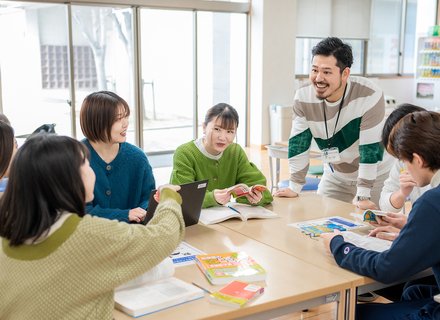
x=272 y=74
x=401 y=89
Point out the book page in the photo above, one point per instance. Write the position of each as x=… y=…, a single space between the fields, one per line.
x=217 y=214
x=185 y=254
x=249 y=211
x=336 y=220
x=163 y=270
x=367 y=242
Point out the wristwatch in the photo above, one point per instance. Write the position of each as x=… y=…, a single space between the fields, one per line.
x=360 y=198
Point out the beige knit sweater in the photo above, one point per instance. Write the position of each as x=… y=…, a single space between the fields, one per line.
x=73 y=272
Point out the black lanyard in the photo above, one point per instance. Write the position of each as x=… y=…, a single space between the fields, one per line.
x=337 y=119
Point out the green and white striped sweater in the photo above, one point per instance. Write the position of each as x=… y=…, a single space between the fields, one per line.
x=357 y=134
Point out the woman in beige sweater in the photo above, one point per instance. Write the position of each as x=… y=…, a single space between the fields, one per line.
x=58 y=263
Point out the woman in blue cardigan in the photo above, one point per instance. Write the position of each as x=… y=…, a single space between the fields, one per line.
x=124 y=177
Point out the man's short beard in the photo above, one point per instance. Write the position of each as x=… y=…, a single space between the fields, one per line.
x=340 y=85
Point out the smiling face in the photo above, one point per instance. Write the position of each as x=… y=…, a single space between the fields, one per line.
x=327 y=79
x=217 y=138
x=119 y=128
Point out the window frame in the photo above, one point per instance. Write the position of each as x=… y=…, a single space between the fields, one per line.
x=136 y=6
x=401 y=55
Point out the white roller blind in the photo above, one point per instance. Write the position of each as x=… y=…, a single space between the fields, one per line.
x=348 y=19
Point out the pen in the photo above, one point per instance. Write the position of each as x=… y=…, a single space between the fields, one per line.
x=331 y=167
x=234 y=209
x=202 y=287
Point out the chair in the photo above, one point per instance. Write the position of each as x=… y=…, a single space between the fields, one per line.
x=316 y=171
x=311 y=184
x=279 y=152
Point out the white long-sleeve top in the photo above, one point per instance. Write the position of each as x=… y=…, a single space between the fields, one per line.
x=392 y=184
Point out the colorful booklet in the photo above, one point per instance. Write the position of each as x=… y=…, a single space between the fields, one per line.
x=225 y=267
x=241 y=211
x=370 y=215
x=316 y=230
x=236 y=294
x=242 y=189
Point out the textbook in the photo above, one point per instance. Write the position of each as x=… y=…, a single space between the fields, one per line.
x=236 y=294
x=155 y=290
x=223 y=268
x=242 y=189
x=241 y=211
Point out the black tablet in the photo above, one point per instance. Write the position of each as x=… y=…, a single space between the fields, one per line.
x=192 y=194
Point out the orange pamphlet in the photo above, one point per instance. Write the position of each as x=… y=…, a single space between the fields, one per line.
x=236 y=294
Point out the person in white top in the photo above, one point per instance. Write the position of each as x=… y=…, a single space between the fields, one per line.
x=399 y=184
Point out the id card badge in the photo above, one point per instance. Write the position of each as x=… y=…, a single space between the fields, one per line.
x=330 y=155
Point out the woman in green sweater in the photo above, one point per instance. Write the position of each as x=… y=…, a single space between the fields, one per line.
x=56 y=261
x=217 y=158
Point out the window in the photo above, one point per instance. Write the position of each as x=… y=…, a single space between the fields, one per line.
x=303 y=58
x=222 y=65
x=192 y=55
x=392 y=41
x=410 y=37
x=168 y=78
x=103 y=56
x=383 y=47
x=55 y=70
x=33 y=69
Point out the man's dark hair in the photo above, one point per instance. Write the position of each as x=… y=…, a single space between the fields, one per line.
x=398 y=113
x=419 y=133
x=333 y=46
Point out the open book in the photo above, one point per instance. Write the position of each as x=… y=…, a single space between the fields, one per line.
x=241 y=211
x=155 y=290
x=367 y=242
x=242 y=189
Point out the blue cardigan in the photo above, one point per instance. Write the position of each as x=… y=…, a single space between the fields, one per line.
x=415 y=249
x=121 y=185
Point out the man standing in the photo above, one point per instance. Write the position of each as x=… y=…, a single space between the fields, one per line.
x=345 y=116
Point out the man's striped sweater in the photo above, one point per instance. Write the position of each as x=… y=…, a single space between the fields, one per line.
x=357 y=135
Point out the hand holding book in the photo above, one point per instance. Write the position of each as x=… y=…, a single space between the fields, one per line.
x=242 y=189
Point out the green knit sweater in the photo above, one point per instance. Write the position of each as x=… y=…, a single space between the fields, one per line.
x=72 y=274
x=233 y=167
